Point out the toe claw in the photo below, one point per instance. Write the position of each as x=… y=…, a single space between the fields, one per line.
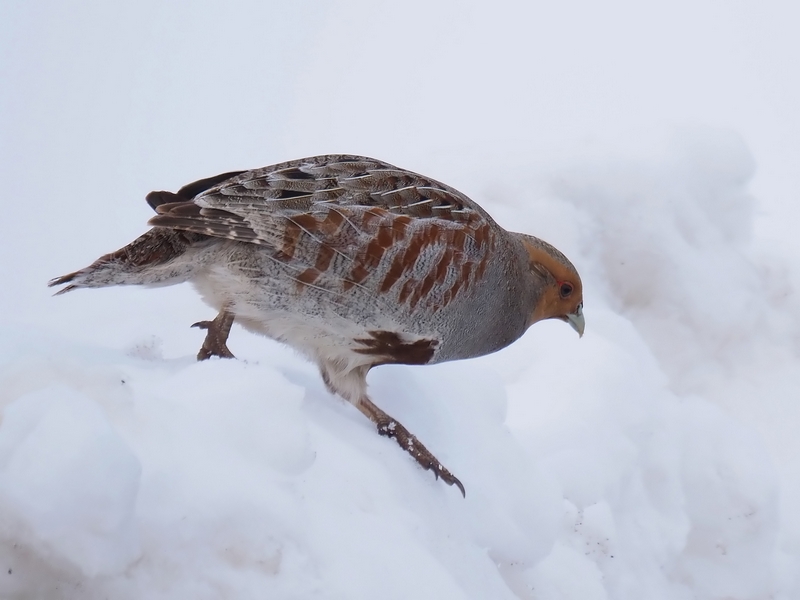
x=390 y=428
x=448 y=478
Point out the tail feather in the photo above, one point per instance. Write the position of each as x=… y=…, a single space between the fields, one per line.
x=152 y=258
x=62 y=280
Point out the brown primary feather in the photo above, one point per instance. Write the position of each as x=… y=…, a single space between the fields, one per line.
x=187 y=192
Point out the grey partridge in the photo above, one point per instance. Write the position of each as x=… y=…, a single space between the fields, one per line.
x=352 y=261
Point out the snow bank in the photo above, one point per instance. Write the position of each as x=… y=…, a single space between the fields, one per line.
x=606 y=467
x=68 y=483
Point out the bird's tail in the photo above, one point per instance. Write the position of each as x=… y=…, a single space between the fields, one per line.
x=151 y=259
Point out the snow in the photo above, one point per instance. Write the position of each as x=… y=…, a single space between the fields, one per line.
x=656 y=457
x=70 y=480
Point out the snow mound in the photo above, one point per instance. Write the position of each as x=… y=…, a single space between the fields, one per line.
x=68 y=482
x=654 y=458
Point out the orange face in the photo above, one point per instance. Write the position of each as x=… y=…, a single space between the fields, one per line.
x=563 y=294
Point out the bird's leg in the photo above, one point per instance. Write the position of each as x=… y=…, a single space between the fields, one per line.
x=216 y=336
x=394 y=429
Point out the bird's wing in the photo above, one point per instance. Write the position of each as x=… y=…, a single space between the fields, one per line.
x=348 y=220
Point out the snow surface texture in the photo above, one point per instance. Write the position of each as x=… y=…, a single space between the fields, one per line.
x=657 y=457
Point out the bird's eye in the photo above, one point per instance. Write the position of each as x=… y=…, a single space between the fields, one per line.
x=565 y=290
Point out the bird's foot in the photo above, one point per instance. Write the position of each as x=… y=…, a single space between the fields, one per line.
x=389 y=427
x=216 y=336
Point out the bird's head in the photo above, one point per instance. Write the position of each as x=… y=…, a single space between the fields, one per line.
x=562 y=296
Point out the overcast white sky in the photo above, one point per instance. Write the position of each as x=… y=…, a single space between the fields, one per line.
x=133 y=96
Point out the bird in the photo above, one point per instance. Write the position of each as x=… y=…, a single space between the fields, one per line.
x=353 y=262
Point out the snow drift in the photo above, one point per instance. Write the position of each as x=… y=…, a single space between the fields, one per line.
x=604 y=467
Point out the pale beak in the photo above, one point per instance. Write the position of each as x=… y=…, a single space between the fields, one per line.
x=576 y=320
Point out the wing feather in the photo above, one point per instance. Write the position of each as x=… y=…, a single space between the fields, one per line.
x=348 y=221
